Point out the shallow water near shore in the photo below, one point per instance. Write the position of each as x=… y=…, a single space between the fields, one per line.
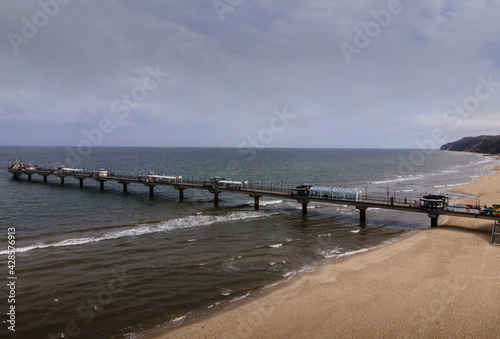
x=107 y=264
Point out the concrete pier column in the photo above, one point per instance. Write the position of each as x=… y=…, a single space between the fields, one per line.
x=44 y=179
x=62 y=181
x=151 y=191
x=256 y=203
x=362 y=214
x=81 y=183
x=124 y=188
x=29 y=177
x=101 y=185
x=434 y=220
x=304 y=208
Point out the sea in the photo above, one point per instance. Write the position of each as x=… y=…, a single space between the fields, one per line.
x=104 y=264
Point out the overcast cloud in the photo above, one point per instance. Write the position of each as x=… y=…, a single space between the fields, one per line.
x=232 y=64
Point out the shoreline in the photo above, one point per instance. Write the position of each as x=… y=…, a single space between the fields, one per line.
x=425 y=284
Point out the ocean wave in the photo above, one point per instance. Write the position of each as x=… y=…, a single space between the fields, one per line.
x=307 y=269
x=265 y=202
x=226 y=291
x=330 y=253
x=270 y=202
x=276 y=245
x=179 y=320
x=286 y=277
x=164 y=226
x=239 y=298
x=355 y=252
x=398 y=179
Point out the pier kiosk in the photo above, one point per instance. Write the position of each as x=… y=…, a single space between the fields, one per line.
x=29 y=170
x=212 y=186
x=302 y=192
x=434 y=204
x=102 y=175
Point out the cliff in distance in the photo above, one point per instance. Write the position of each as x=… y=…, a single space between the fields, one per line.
x=482 y=144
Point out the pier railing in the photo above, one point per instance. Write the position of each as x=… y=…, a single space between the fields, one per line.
x=255 y=189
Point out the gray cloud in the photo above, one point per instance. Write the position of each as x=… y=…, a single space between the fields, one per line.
x=226 y=77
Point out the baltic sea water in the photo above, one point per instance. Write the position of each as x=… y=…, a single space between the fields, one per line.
x=103 y=264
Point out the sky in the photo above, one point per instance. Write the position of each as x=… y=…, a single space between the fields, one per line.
x=240 y=73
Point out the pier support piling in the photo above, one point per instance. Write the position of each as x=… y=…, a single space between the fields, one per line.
x=434 y=219
x=362 y=214
x=29 y=177
x=62 y=181
x=216 y=198
x=81 y=183
x=256 y=203
x=304 y=208
x=124 y=188
x=181 y=194
x=44 y=179
x=151 y=191
x=101 y=185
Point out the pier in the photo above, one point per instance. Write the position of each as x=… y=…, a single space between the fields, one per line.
x=433 y=205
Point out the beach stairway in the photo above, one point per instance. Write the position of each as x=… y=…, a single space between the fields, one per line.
x=495 y=234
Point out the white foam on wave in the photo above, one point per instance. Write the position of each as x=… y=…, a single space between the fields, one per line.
x=226 y=291
x=143 y=229
x=266 y=202
x=276 y=245
x=270 y=202
x=179 y=320
x=286 y=277
x=354 y=252
x=398 y=179
x=330 y=253
x=307 y=269
x=239 y=298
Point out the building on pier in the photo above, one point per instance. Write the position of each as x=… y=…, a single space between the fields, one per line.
x=433 y=202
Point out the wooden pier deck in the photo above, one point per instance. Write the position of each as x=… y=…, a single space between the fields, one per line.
x=214 y=186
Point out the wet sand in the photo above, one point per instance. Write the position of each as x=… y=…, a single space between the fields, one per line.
x=440 y=283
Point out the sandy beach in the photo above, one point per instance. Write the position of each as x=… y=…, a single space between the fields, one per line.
x=438 y=283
